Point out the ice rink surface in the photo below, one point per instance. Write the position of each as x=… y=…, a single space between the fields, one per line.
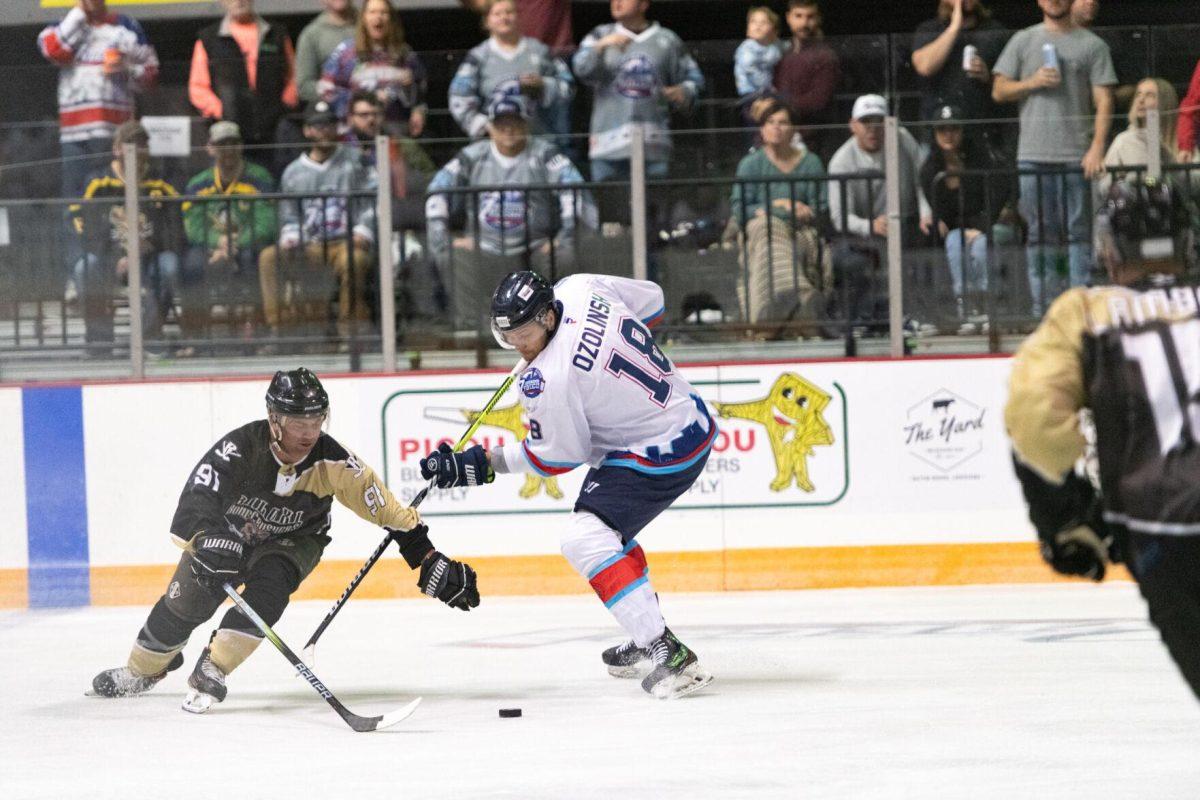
x=1056 y=691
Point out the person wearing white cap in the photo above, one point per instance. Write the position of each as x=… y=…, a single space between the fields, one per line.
x=858 y=205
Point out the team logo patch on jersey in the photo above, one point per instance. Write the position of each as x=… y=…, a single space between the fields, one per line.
x=503 y=212
x=174 y=591
x=532 y=382
x=636 y=78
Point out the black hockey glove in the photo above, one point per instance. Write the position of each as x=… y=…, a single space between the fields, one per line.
x=1076 y=551
x=217 y=558
x=452 y=582
x=448 y=468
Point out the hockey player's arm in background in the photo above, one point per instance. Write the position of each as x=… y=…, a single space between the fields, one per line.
x=211 y=488
x=142 y=59
x=687 y=74
x=559 y=437
x=571 y=202
x=58 y=43
x=466 y=106
x=363 y=178
x=1046 y=393
x=643 y=298
x=588 y=60
x=438 y=208
x=558 y=85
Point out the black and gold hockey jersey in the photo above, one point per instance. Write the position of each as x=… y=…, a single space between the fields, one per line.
x=1131 y=355
x=240 y=486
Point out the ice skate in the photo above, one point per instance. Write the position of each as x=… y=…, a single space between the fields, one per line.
x=677 y=671
x=626 y=660
x=124 y=682
x=208 y=686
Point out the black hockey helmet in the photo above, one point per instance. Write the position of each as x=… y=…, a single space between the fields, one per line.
x=1143 y=221
x=521 y=298
x=297 y=393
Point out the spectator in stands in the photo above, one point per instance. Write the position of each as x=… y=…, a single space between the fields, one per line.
x=509 y=64
x=1189 y=120
x=505 y=230
x=227 y=228
x=411 y=167
x=1131 y=147
x=317 y=42
x=378 y=60
x=325 y=227
x=1057 y=131
x=807 y=75
x=243 y=71
x=103 y=230
x=788 y=270
x=965 y=206
x=858 y=208
x=638 y=71
x=938 y=57
x=104 y=59
x=548 y=21
x=755 y=58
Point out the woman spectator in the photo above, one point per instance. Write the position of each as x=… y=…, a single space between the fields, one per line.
x=378 y=60
x=1132 y=146
x=787 y=269
x=965 y=207
x=509 y=64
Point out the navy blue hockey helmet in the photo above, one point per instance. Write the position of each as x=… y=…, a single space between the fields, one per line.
x=521 y=298
x=1143 y=221
x=297 y=393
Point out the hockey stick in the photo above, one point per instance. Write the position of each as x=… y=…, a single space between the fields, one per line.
x=360 y=724
x=310 y=646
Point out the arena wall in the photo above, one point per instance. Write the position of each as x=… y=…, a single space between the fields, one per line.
x=891 y=473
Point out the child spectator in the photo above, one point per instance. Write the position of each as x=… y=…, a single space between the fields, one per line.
x=755 y=59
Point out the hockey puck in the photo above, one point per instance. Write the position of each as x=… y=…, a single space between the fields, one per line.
x=510 y=712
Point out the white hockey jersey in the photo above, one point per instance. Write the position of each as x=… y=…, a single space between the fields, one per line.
x=603 y=393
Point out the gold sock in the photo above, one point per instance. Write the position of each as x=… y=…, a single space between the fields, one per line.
x=229 y=648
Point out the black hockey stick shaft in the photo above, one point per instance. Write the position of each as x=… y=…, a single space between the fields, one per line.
x=379 y=550
x=361 y=724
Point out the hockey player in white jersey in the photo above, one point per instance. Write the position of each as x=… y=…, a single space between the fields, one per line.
x=598 y=391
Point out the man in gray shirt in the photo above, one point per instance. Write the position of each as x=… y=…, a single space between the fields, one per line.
x=1061 y=75
x=318 y=40
x=858 y=207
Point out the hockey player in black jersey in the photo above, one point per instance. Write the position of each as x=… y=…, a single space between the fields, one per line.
x=1130 y=355
x=256 y=512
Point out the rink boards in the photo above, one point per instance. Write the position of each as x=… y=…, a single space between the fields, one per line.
x=886 y=473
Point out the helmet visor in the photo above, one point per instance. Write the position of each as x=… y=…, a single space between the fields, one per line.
x=511 y=338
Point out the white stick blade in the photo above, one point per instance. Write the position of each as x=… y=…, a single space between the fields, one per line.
x=398 y=715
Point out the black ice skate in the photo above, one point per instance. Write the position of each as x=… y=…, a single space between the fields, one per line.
x=676 y=671
x=208 y=686
x=124 y=682
x=624 y=660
